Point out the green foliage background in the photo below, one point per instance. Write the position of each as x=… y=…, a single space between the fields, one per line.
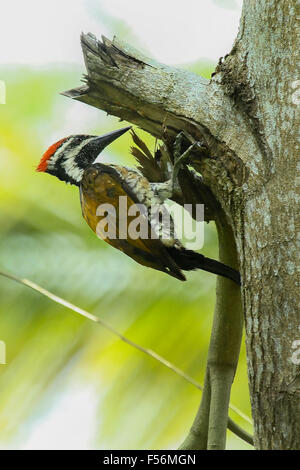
x=52 y=352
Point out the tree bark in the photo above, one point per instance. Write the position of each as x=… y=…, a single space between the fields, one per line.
x=246 y=119
x=258 y=75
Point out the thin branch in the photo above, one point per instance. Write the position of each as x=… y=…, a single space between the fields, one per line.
x=198 y=434
x=149 y=352
x=221 y=379
x=226 y=340
x=209 y=428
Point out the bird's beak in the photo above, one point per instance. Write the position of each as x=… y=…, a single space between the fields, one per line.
x=108 y=138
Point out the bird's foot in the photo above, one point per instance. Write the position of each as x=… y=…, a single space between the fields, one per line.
x=170 y=187
x=181 y=158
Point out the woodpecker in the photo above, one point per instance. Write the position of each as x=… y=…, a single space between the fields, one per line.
x=72 y=159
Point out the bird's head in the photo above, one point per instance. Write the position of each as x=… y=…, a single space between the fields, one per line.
x=69 y=157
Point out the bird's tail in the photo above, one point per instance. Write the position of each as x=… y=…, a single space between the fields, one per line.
x=189 y=260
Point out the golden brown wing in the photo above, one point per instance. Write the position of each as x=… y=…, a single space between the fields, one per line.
x=106 y=201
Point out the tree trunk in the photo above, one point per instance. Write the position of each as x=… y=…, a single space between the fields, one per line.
x=259 y=76
x=246 y=118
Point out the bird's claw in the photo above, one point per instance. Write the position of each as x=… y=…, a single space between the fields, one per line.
x=180 y=158
x=167 y=189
